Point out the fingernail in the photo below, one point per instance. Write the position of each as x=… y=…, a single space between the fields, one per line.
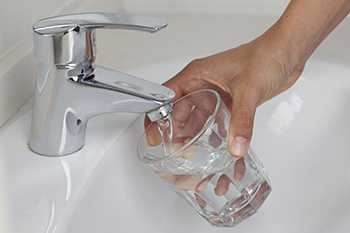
x=239 y=146
x=152 y=140
x=153 y=136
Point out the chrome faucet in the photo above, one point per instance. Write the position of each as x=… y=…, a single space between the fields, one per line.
x=70 y=88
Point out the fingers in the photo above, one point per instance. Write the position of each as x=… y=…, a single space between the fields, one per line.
x=151 y=128
x=240 y=131
x=190 y=114
x=224 y=181
x=200 y=201
x=214 y=140
x=223 y=185
x=187 y=80
x=220 y=120
x=245 y=101
x=202 y=185
x=152 y=133
x=190 y=128
x=182 y=83
x=239 y=170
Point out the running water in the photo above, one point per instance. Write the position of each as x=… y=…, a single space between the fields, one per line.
x=165 y=128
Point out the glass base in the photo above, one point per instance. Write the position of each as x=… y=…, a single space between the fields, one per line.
x=233 y=212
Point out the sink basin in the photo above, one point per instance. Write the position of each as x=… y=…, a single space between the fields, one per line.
x=301 y=136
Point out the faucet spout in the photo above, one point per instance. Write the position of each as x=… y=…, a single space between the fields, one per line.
x=60 y=115
x=115 y=91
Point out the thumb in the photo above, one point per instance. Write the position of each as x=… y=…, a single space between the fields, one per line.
x=244 y=103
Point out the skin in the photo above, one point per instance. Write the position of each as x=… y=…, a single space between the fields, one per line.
x=255 y=72
x=251 y=74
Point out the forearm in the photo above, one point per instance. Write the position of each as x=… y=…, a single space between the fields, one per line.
x=304 y=25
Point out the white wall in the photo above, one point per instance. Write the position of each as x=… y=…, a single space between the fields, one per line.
x=16 y=65
x=16 y=18
x=16 y=62
x=205 y=6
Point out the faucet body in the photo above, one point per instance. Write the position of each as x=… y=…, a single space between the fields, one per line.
x=70 y=89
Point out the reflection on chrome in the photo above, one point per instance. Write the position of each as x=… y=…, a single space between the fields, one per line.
x=71 y=88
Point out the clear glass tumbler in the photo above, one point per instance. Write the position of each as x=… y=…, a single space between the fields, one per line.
x=188 y=149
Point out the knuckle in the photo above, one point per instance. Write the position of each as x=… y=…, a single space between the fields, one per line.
x=197 y=68
x=193 y=66
x=299 y=69
x=195 y=75
x=195 y=63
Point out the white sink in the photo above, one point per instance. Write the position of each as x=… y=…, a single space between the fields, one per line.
x=302 y=137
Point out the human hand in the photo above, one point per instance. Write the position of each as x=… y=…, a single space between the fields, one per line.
x=253 y=73
x=245 y=77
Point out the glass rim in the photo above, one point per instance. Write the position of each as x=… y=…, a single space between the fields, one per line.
x=207 y=124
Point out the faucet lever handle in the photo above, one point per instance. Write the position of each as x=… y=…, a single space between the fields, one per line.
x=69 y=40
x=91 y=21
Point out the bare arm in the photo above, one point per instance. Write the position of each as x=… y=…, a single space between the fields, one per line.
x=304 y=25
x=253 y=73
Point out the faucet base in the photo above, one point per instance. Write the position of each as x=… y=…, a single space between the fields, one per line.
x=53 y=155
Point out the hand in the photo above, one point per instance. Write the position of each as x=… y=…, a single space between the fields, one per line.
x=253 y=73
x=245 y=77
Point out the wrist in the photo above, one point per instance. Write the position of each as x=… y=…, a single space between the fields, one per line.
x=278 y=42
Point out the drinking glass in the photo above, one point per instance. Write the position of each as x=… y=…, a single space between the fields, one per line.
x=189 y=150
